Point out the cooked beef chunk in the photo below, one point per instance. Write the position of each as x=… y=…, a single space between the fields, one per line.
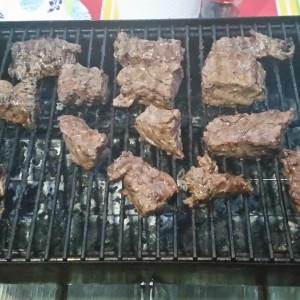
x=18 y=104
x=231 y=74
x=244 y=135
x=152 y=72
x=87 y=146
x=257 y=45
x=133 y=51
x=291 y=163
x=41 y=58
x=232 y=79
x=147 y=188
x=82 y=86
x=161 y=128
x=6 y=89
x=156 y=84
x=206 y=183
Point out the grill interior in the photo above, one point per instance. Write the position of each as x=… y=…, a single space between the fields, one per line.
x=55 y=211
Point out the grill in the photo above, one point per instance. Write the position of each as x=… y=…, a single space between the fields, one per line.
x=57 y=214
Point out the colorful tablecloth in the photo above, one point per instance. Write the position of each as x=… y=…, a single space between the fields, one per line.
x=108 y=9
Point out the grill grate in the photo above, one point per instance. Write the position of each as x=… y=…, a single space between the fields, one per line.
x=55 y=211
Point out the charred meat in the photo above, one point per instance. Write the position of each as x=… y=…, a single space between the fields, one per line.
x=147 y=188
x=243 y=135
x=87 y=146
x=18 y=104
x=41 y=58
x=232 y=75
x=79 y=85
x=206 y=183
x=161 y=128
x=291 y=163
x=152 y=71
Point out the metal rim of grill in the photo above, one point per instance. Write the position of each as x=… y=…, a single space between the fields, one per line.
x=55 y=211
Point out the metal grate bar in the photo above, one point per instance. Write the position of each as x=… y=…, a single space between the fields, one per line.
x=121 y=216
x=70 y=211
x=295 y=86
x=174 y=174
x=7 y=51
x=91 y=174
x=140 y=219
x=190 y=126
x=265 y=211
x=204 y=116
x=284 y=214
x=229 y=220
x=106 y=192
x=158 y=153
x=73 y=190
x=228 y=205
x=4 y=60
x=246 y=202
x=247 y=218
x=283 y=107
x=158 y=165
x=23 y=181
x=55 y=197
x=42 y=177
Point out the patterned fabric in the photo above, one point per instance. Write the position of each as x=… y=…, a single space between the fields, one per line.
x=25 y=10
x=14 y=10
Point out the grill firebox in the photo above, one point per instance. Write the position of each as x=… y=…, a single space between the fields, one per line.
x=55 y=211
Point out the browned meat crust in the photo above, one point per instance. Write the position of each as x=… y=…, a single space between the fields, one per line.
x=152 y=72
x=147 y=188
x=206 y=183
x=156 y=84
x=161 y=128
x=243 y=135
x=18 y=104
x=82 y=86
x=291 y=163
x=231 y=74
x=87 y=146
x=41 y=58
x=133 y=50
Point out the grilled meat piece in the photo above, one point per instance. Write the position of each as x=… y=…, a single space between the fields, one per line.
x=82 y=86
x=244 y=135
x=161 y=128
x=87 y=146
x=206 y=183
x=291 y=163
x=258 y=45
x=232 y=76
x=147 y=188
x=152 y=72
x=156 y=84
x=18 y=104
x=41 y=58
x=133 y=50
x=232 y=79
